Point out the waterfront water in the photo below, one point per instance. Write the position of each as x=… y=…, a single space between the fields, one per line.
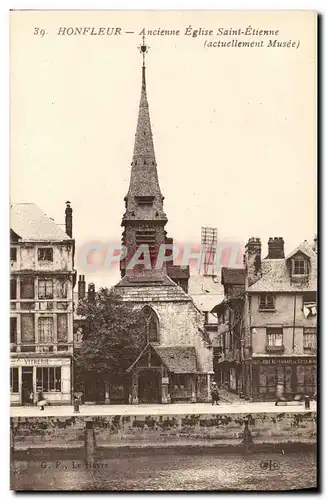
x=158 y=471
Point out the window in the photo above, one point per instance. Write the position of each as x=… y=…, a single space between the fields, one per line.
x=62 y=289
x=275 y=338
x=45 y=254
x=14 y=380
x=147 y=238
x=299 y=266
x=151 y=324
x=13 y=289
x=306 y=379
x=266 y=302
x=27 y=328
x=13 y=254
x=270 y=376
x=180 y=381
x=62 y=330
x=48 y=379
x=309 y=339
x=144 y=200
x=46 y=289
x=27 y=288
x=45 y=330
x=13 y=330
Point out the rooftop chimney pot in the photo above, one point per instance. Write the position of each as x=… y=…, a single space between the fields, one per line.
x=276 y=248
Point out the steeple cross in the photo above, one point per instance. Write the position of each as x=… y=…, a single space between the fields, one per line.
x=143 y=49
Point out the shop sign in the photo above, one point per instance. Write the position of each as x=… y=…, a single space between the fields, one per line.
x=286 y=361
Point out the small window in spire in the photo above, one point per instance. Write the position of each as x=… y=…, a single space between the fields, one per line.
x=144 y=162
x=144 y=200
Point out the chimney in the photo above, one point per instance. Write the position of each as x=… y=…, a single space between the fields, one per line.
x=91 y=292
x=276 y=248
x=69 y=219
x=81 y=287
x=252 y=260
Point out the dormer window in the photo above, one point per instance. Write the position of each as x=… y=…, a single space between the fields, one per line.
x=299 y=267
x=144 y=200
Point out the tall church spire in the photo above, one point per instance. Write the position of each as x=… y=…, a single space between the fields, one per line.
x=144 y=176
x=144 y=219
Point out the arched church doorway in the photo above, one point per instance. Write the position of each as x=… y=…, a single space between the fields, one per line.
x=149 y=386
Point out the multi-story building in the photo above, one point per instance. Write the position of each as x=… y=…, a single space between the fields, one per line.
x=229 y=313
x=41 y=305
x=267 y=323
x=280 y=320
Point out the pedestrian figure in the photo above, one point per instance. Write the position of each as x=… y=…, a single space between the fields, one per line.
x=41 y=400
x=31 y=397
x=214 y=393
x=279 y=393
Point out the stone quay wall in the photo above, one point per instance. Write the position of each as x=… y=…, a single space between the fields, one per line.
x=118 y=431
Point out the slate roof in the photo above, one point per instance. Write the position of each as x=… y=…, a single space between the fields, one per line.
x=150 y=280
x=141 y=289
x=178 y=359
x=29 y=222
x=276 y=275
x=233 y=276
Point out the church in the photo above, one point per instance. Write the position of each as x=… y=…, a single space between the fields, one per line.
x=176 y=362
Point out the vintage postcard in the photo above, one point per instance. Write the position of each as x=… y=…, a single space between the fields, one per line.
x=163 y=250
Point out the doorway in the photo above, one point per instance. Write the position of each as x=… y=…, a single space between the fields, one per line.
x=27 y=384
x=149 y=386
x=94 y=390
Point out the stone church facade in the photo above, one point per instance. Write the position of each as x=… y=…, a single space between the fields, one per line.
x=176 y=362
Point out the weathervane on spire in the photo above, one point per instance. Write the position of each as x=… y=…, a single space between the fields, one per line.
x=143 y=49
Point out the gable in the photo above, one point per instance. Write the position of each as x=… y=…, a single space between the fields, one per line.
x=14 y=238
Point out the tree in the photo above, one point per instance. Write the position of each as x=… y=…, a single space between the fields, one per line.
x=113 y=336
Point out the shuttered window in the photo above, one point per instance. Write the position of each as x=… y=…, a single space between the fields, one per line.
x=27 y=328
x=62 y=328
x=27 y=288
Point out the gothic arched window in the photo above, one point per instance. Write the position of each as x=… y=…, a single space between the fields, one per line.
x=151 y=324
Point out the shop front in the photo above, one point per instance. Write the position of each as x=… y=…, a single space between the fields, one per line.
x=296 y=375
x=29 y=376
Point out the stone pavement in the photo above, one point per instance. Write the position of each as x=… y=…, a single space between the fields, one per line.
x=158 y=409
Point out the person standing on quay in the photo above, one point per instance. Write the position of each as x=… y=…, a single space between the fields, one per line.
x=214 y=393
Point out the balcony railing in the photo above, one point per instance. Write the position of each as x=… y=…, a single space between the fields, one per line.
x=41 y=348
x=275 y=348
x=310 y=349
x=267 y=307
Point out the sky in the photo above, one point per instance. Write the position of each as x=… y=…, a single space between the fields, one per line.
x=234 y=129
